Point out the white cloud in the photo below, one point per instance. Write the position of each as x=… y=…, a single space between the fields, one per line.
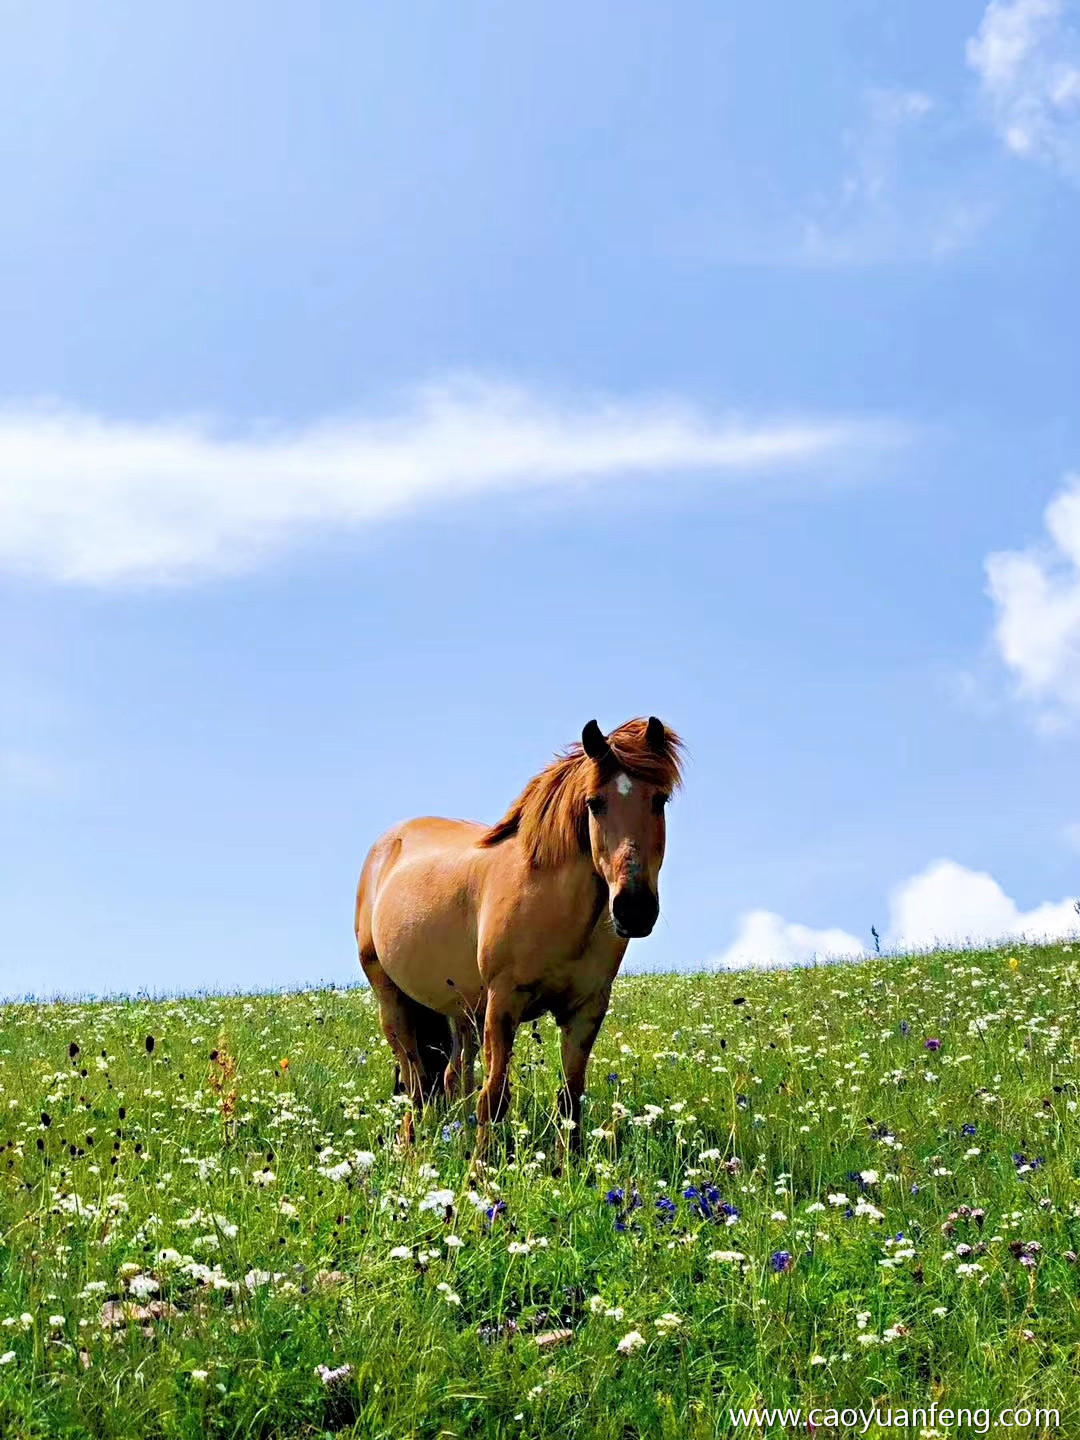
x=1037 y=595
x=950 y=904
x=945 y=904
x=765 y=939
x=90 y=500
x=1028 y=61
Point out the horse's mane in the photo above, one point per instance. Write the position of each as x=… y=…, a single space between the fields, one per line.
x=550 y=816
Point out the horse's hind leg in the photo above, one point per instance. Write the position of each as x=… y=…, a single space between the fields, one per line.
x=459 y=1080
x=396 y=1014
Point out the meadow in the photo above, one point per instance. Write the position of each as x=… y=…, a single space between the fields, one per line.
x=838 y=1186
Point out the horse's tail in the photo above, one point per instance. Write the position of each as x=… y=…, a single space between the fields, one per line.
x=435 y=1043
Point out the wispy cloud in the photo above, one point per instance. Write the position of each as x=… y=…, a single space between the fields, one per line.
x=1037 y=594
x=31 y=771
x=945 y=904
x=1027 y=57
x=94 y=501
x=889 y=207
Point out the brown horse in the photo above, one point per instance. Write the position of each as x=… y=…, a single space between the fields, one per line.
x=466 y=931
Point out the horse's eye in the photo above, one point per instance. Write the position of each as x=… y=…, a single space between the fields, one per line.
x=658 y=803
x=597 y=804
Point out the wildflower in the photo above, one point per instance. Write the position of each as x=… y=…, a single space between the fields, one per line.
x=438 y=1200
x=449 y=1295
x=667 y=1210
x=256 y=1279
x=631 y=1342
x=401 y=1252
x=782 y=1261
x=142 y=1286
x=7 y=1357
x=818 y=1360
x=614 y=1197
x=333 y=1377
x=968 y=1130
x=452 y=1242
x=283 y=1064
x=200 y=1376
x=665 y=1324
x=933 y=1044
x=726 y=1257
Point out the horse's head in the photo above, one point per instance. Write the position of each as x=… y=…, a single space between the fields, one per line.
x=627 y=832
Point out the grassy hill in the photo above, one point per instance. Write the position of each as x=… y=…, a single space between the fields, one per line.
x=837 y=1186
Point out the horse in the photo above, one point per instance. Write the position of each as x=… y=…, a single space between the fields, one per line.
x=466 y=931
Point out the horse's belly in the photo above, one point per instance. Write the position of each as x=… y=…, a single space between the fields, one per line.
x=424 y=930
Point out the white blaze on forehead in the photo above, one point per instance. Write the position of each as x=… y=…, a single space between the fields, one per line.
x=623 y=784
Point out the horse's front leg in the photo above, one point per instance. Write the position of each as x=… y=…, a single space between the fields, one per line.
x=501 y=1019
x=579 y=1034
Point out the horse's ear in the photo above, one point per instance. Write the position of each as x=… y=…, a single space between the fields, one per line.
x=593 y=742
x=656 y=735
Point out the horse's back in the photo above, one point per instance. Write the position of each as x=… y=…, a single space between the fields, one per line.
x=417 y=903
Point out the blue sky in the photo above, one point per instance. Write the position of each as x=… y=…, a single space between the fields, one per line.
x=383 y=394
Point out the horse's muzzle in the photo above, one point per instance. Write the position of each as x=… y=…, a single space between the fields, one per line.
x=633 y=912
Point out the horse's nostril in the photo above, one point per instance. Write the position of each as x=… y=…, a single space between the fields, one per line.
x=634 y=911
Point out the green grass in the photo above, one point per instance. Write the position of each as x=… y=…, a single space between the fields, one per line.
x=184 y=1240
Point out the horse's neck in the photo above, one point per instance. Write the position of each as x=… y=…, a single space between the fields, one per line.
x=581 y=896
